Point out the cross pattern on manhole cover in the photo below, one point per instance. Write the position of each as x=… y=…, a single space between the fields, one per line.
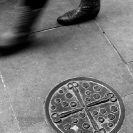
x=84 y=105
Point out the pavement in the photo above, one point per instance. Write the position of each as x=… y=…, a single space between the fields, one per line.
x=101 y=48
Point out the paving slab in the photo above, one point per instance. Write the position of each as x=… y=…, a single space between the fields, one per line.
x=116 y=19
x=8 y=121
x=55 y=56
x=128 y=127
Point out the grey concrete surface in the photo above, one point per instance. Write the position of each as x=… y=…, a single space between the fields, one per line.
x=63 y=53
x=116 y=19
x=8 y=121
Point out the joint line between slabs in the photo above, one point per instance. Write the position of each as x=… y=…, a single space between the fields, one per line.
x=109 y=41
x=5 y=87
x=48 y=29
x=129 y=70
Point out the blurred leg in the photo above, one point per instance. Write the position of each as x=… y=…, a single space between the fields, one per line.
x=21 y=31
x=34 y=4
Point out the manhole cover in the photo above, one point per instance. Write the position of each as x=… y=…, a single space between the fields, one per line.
x=84 y=105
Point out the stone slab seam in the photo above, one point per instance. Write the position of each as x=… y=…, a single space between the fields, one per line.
x=5 y=87
x=129 y=69
x=46 y=30
x=110 y=42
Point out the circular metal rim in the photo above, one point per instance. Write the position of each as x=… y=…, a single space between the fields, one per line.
x=122 y=117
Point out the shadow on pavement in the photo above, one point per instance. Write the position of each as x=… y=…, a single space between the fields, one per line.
x=15 y=48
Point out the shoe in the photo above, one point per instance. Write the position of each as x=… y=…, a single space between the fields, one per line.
x=87 y=10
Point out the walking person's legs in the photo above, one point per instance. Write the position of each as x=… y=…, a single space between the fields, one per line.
x=34 y=4
x=87 y=9
x=21 y=31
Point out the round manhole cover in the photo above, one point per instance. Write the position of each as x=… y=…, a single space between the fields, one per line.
x=84 y=105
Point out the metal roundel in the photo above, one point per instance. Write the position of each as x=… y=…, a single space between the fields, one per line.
x=84 y=105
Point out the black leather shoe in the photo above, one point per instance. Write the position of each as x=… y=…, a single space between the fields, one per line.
x=87 y=10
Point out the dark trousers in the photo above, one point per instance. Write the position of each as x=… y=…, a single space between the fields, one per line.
x=34 y=4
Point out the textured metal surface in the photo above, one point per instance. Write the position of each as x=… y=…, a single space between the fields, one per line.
x=84 y=105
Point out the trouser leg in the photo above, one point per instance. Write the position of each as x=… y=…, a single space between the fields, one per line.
x=34 y=4
x=22 y=29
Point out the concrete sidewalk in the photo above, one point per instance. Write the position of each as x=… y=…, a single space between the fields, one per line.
x=101 y=48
